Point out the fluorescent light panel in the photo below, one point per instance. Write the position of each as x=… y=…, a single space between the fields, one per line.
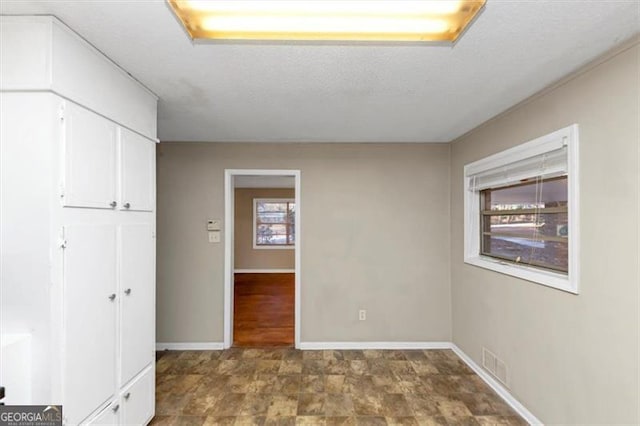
x=436 y=20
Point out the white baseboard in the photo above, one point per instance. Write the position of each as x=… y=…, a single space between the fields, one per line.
x=374 y=345
x=190 y=346
x=497 y=387
x=264 y=271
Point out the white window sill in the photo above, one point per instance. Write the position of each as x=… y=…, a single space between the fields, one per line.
x=547 y=278
x=274 y=247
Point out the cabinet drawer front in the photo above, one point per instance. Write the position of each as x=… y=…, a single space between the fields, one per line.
x=138 y=399
x=89 y=263
x=137 y=290
x=109 y=416
x=89 y=159
x=137 y=172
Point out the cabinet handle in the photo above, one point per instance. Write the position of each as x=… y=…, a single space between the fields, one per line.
x=113 y=204
x=127 y=291
x=115 y=409
x=112 y=297
x=127 y=395
x=127 y=205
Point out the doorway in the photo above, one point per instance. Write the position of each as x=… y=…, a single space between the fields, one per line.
x=262 y=257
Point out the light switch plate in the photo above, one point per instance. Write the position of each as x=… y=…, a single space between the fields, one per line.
x=214 y=236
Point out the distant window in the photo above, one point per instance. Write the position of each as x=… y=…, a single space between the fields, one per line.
x=274 y=223
x=521 y=211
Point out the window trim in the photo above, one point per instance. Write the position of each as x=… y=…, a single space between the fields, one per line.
x=257 y=246
x=567 y=136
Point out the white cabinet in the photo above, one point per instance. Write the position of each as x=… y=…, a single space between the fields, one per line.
x=78 y=266
x=89 y=159
x=89 y=280
x=97 y=154
x=137 y=169
x=137 y=310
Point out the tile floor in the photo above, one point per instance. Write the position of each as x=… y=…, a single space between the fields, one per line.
x=280 y=386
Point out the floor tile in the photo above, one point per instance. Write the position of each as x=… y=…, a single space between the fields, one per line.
x=283 y=386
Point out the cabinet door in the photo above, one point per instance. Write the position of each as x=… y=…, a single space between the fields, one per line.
x=137 y=292
x=109 y=416
x=89 y=159
x=90 y=300
x=138 y=400
x=137 y=172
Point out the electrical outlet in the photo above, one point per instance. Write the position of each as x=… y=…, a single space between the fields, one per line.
x=362 y=315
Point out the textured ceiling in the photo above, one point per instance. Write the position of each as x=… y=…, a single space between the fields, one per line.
x=345 y=93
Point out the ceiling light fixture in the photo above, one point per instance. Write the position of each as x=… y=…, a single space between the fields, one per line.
x=358 y=20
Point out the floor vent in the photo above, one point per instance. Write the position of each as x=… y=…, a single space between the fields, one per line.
x=495 y=366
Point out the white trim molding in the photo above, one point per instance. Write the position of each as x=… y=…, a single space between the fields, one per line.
x=190 y=346
x=497 y=387
x=264 y=271
x=373 y=345
x=228 y=245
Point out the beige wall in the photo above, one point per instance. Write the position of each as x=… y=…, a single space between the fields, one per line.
x=245 y=256
x=571 y=359
x=385 y=249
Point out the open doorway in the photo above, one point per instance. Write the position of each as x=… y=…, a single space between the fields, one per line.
x=262 y=258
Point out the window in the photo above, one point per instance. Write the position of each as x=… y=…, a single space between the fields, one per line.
x=521 y=211
x=274 y=223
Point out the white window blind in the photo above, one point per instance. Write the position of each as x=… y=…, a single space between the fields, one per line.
x=547 y=160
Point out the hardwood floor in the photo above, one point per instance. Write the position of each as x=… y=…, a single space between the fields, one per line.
x=263 y=312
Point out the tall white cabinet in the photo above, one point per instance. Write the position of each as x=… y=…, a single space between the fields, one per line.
x=77 y=223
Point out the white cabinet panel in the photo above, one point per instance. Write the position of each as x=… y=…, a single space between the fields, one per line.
x=137 y=172
x=109 y=416
x=89 y=159
x=137 y=289
x=138 y=401
x=90 y=301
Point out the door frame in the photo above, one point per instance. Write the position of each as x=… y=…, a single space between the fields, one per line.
x=229 y=211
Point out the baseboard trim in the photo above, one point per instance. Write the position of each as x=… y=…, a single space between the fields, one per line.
x=374 y=345
x=190 y=346
x=497 y=387
x=264 y=271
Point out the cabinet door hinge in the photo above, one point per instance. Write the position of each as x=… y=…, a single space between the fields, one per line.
x=61 y=112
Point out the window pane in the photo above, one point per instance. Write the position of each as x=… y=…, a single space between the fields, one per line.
x=528 y=225
x=270 y=206
x=548 y=193
x=548 y=254
x=537 y=235
x=292 y=235
x=271 y=234
x=272 y=217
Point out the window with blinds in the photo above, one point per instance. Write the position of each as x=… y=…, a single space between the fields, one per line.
x=274 y=223
x=521 y=211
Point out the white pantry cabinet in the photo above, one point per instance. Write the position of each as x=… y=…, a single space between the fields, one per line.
x=77 y=220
